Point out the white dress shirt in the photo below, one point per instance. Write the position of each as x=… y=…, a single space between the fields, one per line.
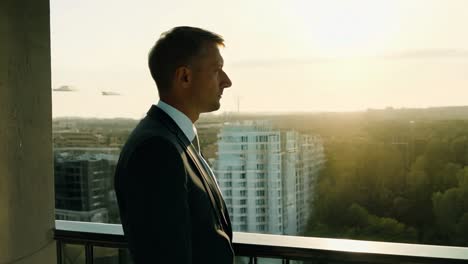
x=184 y=123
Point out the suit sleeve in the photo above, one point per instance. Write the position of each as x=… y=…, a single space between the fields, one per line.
x=158 y=217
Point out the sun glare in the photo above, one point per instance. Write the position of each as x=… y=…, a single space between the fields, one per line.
x=347 y=28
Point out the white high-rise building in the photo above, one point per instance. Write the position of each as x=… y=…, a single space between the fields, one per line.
x=266 y=176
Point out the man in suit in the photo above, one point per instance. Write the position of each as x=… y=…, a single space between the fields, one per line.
x=171 y=207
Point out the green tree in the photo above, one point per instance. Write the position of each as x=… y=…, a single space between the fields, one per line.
x=451 y=211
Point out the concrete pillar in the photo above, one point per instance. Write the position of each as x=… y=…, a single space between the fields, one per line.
x=26 y=169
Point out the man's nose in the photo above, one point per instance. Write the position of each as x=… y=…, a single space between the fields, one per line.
x=226 y=82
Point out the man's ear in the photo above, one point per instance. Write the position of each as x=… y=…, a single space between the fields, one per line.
x=183 y=76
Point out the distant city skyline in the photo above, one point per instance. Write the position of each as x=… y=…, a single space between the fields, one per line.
x=295 y=56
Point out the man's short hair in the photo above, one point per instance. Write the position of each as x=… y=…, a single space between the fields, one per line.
x=175 y=48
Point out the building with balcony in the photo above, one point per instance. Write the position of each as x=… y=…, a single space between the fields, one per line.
x=267 y=176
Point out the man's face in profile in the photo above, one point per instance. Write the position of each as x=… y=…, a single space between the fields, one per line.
x=209 y=79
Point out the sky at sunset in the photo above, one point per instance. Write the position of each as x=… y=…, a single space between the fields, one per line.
x=282 y=56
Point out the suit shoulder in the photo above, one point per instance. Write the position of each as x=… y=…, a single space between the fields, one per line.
x=150 y=130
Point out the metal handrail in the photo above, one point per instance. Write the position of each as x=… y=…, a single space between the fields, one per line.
x=253 y=245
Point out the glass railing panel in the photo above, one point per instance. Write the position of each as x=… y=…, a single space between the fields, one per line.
x=105 y=255
x=242 y=260
x=269 y=261
x=73 y=254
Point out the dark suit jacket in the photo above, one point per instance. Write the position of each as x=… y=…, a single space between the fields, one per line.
x=170 y=207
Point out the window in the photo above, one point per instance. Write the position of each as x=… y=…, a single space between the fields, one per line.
x=261 y=146
x=387 y=69
x=241 y=184
x=240 y=219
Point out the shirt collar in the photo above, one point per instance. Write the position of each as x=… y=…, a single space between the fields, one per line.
x=184 y=123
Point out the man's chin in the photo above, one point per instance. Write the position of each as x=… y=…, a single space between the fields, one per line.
x=212 y=108
x=216 y=107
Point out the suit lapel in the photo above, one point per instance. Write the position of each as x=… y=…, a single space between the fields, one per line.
x=214 y=184
x=157 y=113
x=208 y=183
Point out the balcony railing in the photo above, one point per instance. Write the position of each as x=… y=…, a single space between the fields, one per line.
x=285 y=248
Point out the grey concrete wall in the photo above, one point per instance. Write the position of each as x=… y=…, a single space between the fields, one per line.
x=26 y=169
